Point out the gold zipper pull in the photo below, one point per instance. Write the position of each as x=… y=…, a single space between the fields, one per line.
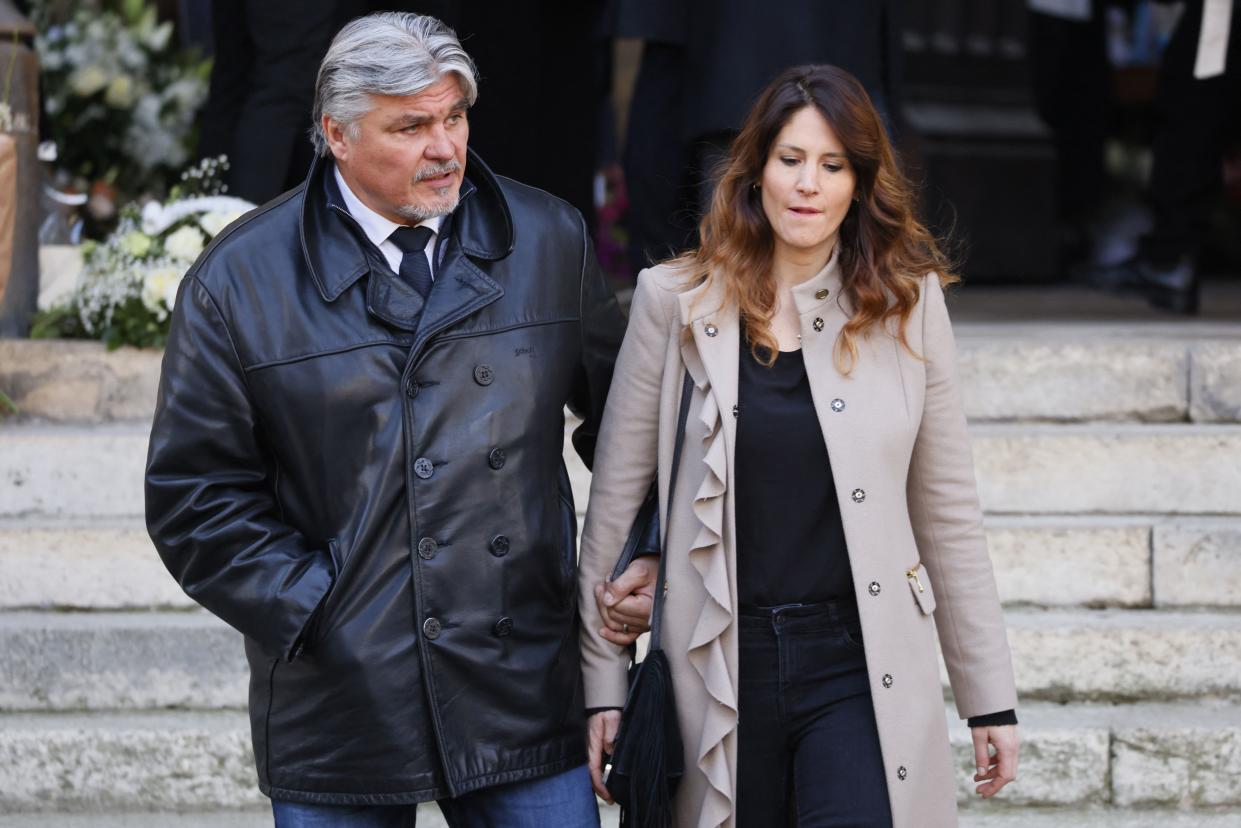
x=913 y=576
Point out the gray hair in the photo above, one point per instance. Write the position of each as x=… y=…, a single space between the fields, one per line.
x=388 y=53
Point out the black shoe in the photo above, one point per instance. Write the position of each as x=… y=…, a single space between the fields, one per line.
x=1172 y=288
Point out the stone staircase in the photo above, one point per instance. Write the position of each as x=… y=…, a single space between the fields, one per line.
x=1109 y=465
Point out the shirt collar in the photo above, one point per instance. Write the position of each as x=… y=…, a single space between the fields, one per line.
x=376 y=227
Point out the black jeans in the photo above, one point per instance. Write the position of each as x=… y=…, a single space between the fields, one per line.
x=808 y=748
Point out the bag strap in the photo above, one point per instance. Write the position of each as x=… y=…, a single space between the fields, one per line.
x=657 y=607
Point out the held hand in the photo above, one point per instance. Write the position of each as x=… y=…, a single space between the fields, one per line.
x=995 y=771
x=600 y=733
x=625 y=604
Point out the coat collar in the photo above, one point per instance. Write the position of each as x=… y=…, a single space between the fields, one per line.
x=823 y=288
x=712 y=352
x=337 y=256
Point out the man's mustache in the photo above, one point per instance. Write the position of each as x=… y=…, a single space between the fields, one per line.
x=436 y=170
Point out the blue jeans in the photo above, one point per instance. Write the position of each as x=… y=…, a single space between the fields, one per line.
x=564 y=800
x=807 y=745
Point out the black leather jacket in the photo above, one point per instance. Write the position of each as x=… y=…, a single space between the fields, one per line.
x=373 y=491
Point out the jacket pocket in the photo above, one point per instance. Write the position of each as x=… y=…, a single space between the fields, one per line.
x=920 y=585
x=568 y=539
x=318 y=624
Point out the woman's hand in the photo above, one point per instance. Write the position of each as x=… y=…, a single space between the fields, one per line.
x=995 y=771
x=625 y=604
x=600 y=733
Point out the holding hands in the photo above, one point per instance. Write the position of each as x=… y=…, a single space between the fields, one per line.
x=625 y=604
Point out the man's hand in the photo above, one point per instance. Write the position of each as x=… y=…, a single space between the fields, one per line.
x=995 y=771
x=600 y=733
x=625 y=604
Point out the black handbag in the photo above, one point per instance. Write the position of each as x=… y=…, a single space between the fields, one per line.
x=647 y=756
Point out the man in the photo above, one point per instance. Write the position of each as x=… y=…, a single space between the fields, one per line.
x=356 y=458
x=1199 y=107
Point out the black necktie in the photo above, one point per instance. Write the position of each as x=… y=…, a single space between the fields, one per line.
x=415 y=269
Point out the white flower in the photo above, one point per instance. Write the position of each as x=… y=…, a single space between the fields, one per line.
x=157 y=37
x=174 y=211
x=136 y=244
x=120 y=94
x=214 y=222
x=188 y=93
x=185 y=244
x=159 y=289
x=88 y=80
x=152 y=217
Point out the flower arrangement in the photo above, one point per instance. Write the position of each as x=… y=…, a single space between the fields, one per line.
x=120 y=98
x=129 y=281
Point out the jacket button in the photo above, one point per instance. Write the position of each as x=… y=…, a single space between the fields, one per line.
x=411 y=389
x=818 y=323
x=424 y=468
x=821 y=293
x=427 y=548
x=503 y=627
x=901 y=773
x=887 y=679
x=432 y=628
x=838 y=405
x=483 y=374
x=499 y=546
x=736 y=410
x=496 y=459
x=873 y=589
x=858 y=495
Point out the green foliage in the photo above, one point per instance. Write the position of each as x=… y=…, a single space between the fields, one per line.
x=61 y=322
x=7 y=407
x=129 y=281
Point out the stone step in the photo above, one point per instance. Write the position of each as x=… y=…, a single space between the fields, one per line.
x=120 y=661
x=1065 y=372
x=1168 y=756
x=1094 y=561
x=140 y=661
x=1047 y=560
x=105 y=564
x=994 y=815
x=68 y=471
x=1116 y=469
x=1124 y=655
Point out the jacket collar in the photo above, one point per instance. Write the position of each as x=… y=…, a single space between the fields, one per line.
x=335 y=248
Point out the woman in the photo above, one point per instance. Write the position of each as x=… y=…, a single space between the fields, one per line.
x=825 y=499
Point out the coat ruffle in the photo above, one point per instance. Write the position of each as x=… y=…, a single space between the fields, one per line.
x=706 y=648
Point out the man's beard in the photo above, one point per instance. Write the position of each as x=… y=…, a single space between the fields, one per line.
x=439 y=207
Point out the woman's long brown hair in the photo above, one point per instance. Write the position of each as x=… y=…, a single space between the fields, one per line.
x=884 y=250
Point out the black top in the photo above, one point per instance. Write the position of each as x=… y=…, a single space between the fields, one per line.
x=790 y=539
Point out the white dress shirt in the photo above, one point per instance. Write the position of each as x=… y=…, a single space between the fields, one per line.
x=378 y=229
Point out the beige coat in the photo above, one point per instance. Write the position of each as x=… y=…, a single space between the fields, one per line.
x=896 y=435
